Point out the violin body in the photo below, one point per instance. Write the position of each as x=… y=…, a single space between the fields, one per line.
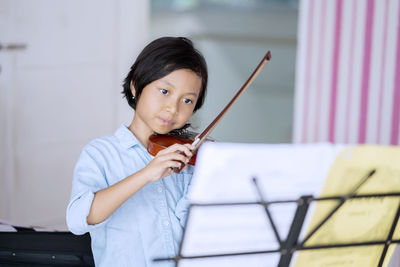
x=159 y=142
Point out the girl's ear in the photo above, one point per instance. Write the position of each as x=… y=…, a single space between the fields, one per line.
x=132 y=89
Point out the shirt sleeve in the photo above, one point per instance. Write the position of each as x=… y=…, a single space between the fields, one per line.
x=182 y=207
x=88 y=178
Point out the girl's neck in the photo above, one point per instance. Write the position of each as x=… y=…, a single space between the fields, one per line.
x=142 y=137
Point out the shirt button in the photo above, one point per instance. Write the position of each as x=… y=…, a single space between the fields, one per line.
x=159 y=189
x=166 y=223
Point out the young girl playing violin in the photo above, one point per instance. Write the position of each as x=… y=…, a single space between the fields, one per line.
x=133 y=204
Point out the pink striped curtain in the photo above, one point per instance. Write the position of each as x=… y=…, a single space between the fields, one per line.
x=348 y=72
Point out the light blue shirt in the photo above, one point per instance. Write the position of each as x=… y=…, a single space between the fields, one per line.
x=148 y=225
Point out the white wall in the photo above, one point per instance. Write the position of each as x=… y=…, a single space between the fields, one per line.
x=59 y=93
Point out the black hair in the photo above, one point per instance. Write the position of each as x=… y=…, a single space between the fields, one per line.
x=161 y=57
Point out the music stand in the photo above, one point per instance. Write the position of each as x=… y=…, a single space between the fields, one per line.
x=293 y=243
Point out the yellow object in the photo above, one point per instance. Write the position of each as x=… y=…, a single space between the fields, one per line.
x=357 y=220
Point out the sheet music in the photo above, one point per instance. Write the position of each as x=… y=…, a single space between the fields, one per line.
x=224 y=173
x=358 y=220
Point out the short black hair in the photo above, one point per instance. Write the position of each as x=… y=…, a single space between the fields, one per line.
x=161 y=57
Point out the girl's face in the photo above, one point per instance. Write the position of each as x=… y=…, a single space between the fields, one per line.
x=166 y=104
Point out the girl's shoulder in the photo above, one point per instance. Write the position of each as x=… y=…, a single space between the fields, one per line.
x=101 y=145
x=109 y=146
x=103 y=141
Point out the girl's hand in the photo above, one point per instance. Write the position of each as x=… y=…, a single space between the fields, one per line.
x=167 y=160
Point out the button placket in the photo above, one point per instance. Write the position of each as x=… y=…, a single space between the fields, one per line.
x=164 y=216
x=162 y=202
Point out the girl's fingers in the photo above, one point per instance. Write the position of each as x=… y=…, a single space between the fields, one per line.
x=165 y=164
x=185 y=149
x=191 y=148
x=175 y=166
x=172 y=159
x=177 y=157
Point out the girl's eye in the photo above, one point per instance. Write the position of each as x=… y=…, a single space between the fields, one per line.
x=164 y=91
x=187 y=101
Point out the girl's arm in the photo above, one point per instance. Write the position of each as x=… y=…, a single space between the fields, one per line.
x=107 y=200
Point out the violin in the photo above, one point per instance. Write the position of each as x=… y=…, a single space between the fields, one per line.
x=158 y=142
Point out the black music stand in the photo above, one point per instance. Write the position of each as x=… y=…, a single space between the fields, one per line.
x=292 y=243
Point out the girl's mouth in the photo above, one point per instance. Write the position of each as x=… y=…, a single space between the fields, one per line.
x=165 y=122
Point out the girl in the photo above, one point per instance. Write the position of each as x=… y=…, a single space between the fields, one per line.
x=133 y=204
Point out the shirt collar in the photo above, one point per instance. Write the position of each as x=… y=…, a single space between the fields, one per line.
x=126 y=138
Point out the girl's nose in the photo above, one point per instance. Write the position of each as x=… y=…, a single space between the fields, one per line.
x=172 y=106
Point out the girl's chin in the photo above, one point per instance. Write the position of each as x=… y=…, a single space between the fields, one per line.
x=162 y=131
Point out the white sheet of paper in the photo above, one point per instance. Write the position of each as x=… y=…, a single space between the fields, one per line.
x=224 y=173
x=237 y=261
